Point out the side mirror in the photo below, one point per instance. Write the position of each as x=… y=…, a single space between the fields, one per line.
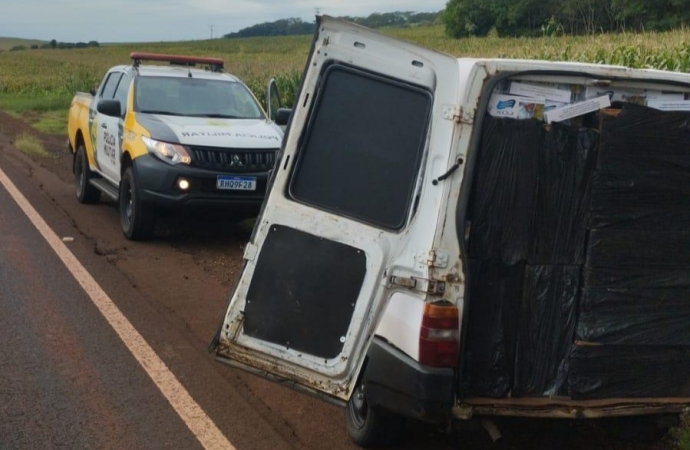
x=273 y=100
x=110 y=108
x=283 y=116
x=92 y=92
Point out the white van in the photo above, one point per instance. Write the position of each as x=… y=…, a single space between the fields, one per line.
x=454 y=238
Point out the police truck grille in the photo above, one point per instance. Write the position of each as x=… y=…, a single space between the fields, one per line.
x=233 y=159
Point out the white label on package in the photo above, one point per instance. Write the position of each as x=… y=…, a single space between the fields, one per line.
x=577 y=109
x=618 y=95
x=534 y=91
x=669 y=106
x=665 y=96
x=514 y=107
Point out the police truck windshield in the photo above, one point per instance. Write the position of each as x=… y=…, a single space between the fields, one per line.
x=195 y=97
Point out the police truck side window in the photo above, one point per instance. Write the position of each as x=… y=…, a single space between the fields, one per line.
x=108 y=91
x=123 y=90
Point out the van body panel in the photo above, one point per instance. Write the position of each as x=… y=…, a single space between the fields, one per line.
x=378 y=137
x=400 y=323
x=304 y=241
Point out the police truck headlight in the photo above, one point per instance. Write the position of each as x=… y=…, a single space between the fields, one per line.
x=170 y=153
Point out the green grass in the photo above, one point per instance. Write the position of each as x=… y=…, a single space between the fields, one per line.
x=51 y=122
x=46 y=113
x=681 y=435
x=20 y=103
x=13 y=113
x=30 y=145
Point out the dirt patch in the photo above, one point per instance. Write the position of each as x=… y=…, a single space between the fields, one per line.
x=58 y=159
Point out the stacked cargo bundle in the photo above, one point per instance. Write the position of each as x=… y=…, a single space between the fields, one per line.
x=580 y=258
x=505 y=188
x=548 y=311
x=527 y=245
x=502 y=211
x=634 y=316
x=492 y=335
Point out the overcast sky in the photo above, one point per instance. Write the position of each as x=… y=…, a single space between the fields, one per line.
x=171 y=20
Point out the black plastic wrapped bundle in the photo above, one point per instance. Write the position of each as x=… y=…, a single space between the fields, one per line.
x=566 y=163
x=640 y=317
x=495 y=292
x=547 y=322
x=638 y=259
x=629 y=372
x=504 y=194
x=639 y=200
x=642 y=139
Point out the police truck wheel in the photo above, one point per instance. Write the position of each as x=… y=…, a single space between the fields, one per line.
x=136 y=217
x=370 y=428
x=85 y=192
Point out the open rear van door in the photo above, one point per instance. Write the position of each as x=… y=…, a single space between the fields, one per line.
x=344 y=205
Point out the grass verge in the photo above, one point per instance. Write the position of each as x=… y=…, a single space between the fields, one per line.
x=51 y=122
x=46 y=113
x=21 y=103
x=30 y=145
x=681 y=435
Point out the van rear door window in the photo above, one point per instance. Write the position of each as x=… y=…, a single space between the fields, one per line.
x=363 y=147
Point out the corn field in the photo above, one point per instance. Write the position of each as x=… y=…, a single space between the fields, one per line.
x=35 y=73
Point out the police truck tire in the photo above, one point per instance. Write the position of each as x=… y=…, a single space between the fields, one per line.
x=136 y=217
x=86 y=193
x=371 y=428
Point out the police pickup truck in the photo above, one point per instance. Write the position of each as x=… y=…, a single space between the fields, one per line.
x=175 y=137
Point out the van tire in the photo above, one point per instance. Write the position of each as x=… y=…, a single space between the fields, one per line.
x=371 y=428
x=86 y=193
x=137 y=218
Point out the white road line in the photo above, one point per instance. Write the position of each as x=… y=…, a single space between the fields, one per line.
x=191 y=413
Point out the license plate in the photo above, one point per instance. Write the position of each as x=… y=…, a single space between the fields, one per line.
x=236 y=183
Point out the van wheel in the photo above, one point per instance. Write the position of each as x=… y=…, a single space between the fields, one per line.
x=370 y=428
x=137 y=218
x=85 y=192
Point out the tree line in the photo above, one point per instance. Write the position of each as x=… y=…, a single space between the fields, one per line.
x=464 y=18
x=56 y=45
x=296 y=26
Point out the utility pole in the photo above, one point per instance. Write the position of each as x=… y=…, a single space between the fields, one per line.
x=211 y=27
x=317 y=11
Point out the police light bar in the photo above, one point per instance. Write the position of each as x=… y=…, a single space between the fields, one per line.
x=216 y=64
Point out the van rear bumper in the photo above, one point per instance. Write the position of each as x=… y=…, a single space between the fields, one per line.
x=398 y=384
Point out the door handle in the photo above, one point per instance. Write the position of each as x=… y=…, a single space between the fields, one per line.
x=103 y=125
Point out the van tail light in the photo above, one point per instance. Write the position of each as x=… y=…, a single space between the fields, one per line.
x=439 y=336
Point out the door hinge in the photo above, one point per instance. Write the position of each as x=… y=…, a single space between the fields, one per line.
x=458 y=113
x=250 y=251
x=435 y=287
x=434 y=258
x=438 y=258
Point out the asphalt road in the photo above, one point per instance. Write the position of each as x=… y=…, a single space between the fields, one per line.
x=66 y=378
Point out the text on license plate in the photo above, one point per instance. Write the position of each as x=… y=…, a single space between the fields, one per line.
x=236 y=183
